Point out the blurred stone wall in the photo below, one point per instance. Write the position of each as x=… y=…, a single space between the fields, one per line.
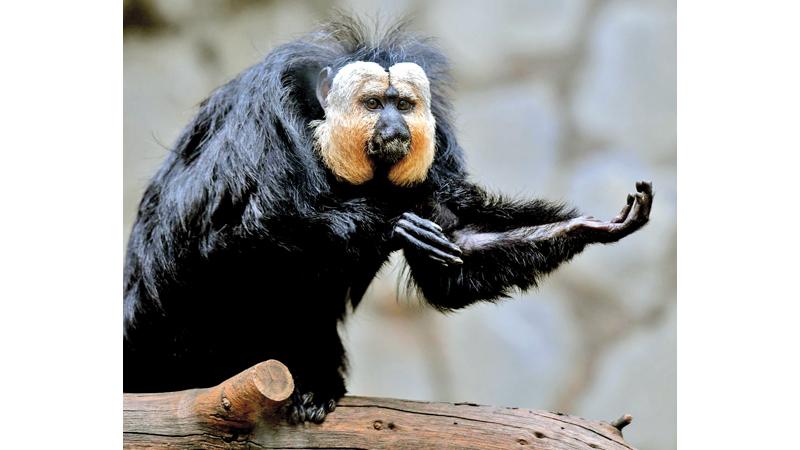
x=570 y=100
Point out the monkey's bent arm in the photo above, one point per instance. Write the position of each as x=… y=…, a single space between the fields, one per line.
x=489 y=273
x=485 y=261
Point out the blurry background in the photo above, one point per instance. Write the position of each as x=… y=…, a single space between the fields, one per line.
x=570 y=100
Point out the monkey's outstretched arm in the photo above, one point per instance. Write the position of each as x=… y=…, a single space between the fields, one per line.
x=583 y=229
x=487 y=258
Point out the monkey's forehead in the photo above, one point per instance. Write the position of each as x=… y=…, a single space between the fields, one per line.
x=411 y=81
x=371 y=78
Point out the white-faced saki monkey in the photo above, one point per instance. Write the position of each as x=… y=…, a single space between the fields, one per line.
x=288 y=191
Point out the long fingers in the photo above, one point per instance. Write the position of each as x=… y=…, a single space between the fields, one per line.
x=640 y=211
x=425 y=237
x=424 y=223
x=432 y=252
x=644 y=197
x=437 y=239
x=625 y=210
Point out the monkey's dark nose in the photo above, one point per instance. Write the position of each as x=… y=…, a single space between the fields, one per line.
x=391 y=141
x=394 y=131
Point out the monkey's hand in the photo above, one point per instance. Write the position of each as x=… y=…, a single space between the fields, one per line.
x=421 y=237
x=634 y=215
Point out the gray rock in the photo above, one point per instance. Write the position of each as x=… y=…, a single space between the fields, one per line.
x=484 y=39
x=627 y=92
x=511 y=136
x=526 y=342
x=638 y=376
x=385 y=10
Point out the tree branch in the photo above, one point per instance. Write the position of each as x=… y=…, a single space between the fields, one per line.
x=245 y=412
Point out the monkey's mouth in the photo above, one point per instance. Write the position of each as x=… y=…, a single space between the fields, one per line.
x=388 y=153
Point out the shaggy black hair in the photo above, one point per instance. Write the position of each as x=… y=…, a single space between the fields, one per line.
x=246 y=247
x=245 y=159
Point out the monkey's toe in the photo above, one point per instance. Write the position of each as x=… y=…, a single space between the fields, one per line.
x=317 y=414
x=296 y=414
x=304 y=408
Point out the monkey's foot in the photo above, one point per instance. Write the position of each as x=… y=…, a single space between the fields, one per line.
x=634 y=215
x=424 y=237
x=304 y=407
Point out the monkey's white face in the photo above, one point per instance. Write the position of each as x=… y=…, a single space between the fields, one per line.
x=378 y=117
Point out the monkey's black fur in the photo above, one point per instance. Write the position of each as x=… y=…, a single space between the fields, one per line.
x=247 y=248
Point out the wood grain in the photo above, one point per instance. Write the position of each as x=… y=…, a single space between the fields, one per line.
x=245 y=412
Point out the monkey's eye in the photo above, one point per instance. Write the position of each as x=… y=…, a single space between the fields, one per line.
x=404 y=105
x=373 y=103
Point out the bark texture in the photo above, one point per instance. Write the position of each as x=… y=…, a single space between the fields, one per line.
x=244 y=412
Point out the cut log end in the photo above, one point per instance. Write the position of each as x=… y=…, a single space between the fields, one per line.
x=273 y=380
x=243 y=399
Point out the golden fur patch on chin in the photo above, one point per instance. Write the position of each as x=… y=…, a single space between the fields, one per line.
x=411 y=81
x=414 y=167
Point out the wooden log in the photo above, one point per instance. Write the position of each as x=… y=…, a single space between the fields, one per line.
x=244 y=412
x=207 y=418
